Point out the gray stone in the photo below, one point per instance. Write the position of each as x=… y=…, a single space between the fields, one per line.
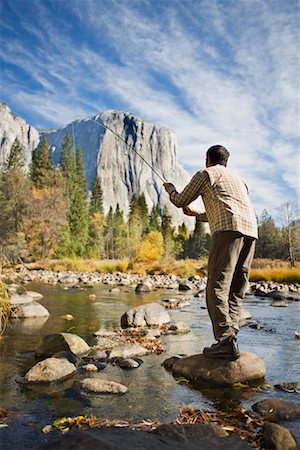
x=290 y=386
x=21 y=299
x=278 y=295
x=128 y=363
x=49 y=370
x=35 y=295
x=33 y=309
x=278 y=438
x=64 y=341
x=145 y=315
x=274 y=409
x=127 y=351
x=186 y=285
x=280 y=304
x=179 y=328
x=143 y=287
x=99 y=386
x=196 y=368
x=152 y=334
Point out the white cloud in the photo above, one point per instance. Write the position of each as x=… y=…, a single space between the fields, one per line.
x=232 y=72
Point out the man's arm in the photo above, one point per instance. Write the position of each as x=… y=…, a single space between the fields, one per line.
x=191 y=212
x=190 y=192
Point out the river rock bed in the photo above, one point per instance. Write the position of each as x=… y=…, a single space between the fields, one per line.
x=275 y=290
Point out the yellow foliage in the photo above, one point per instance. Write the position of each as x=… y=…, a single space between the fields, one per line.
x=151 y=248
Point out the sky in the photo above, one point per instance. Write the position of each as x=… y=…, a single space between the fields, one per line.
x=214 y=71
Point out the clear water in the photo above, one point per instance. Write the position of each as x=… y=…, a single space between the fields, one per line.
x=153 y=392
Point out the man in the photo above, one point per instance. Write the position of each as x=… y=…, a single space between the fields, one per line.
x=233 y=228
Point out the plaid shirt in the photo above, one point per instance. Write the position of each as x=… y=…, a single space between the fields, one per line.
x=225 y=197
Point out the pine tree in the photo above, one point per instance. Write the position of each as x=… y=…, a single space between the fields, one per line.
x=41 y=170
x=168 y=233
x=78 y=217
x=144 y=213
x=120 y=234
x=15 y=158
x=68 y=167
x=109 y=235
x=96 y=204
x=197 y=242
x=155 y=219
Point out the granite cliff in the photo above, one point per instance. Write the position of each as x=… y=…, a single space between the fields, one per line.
x=122 y=171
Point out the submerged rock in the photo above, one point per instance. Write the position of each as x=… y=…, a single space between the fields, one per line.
x=64 y=342
x=145 y=315
x=197 y=368
x=274 y=409
x=49 y=370
x=98 y=386
x=290 y=386
x=128 y=363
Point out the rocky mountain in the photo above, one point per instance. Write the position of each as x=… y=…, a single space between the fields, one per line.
x=122 y=172
x=12 y=127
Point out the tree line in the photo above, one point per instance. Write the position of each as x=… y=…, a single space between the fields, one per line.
x=48 y=212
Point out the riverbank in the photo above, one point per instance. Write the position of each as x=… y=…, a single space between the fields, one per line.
x=175 y=282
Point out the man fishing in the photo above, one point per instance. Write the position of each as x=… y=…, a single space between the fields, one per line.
x=233 y=228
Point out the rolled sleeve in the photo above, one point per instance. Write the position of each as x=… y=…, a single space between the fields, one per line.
x=191 y=191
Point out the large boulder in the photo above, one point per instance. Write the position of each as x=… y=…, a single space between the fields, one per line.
x=58 y=342
x=278 y=438
x=32 y=309
x=99 y=386
x=197 y=368
x=145 y=315
x=49 y=370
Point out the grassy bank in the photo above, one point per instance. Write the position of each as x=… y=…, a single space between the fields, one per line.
x=262 y=269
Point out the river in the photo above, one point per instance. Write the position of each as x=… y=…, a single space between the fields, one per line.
x=153 y=392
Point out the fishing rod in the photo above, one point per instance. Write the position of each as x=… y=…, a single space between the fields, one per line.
x=101 y=124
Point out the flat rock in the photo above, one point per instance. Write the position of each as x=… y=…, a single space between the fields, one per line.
x=165 y=437
x=197 y=368
x=280 y=303
x=145 y=315
x=49 y=370
x=179 y=328
x=21 y=299
x=98 y=386
x=28 y=310
x=127 y=351
x=279 y=295
x=64 y=342
x=278 y=438
x=35 y=295
x=274 y=409
x=128 y=363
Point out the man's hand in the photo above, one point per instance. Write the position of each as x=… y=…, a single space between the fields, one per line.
x=189 y=211
x=169 y=187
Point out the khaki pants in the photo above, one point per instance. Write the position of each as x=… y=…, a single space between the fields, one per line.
x=230 y=257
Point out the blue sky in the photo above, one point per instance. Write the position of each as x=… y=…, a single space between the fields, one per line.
x=214 y=71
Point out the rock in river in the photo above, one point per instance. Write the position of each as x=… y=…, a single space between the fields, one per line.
x=127 y=351
x=49 y=370
x=278 y=438
x=33 y=309
x=98 y=386
x=197 y=368
x=274 y=409
x=145 y=315
x=64 y=342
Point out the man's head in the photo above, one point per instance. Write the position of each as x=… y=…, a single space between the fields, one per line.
x=217 y=154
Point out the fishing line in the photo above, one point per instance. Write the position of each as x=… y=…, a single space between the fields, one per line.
x=123 y=140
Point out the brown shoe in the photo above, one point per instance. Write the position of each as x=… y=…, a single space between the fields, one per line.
x=227 y=349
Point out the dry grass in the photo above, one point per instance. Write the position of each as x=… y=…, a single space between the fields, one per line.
x=262 y=269
x=5 y=307
x=274 y=270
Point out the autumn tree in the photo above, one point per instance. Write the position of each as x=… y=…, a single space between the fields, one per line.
x=168 y=233
x=289 y=217
x=151 y=248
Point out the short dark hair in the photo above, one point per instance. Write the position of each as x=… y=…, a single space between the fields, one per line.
x=217 y=155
